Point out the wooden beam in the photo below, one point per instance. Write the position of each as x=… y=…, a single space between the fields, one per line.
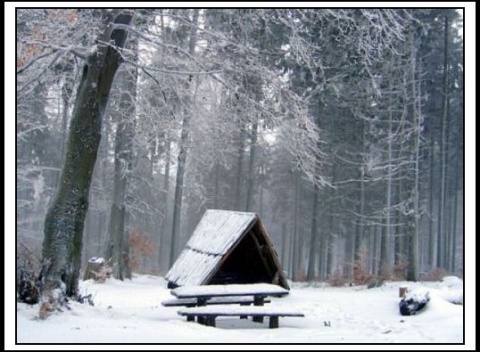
x=262 y=256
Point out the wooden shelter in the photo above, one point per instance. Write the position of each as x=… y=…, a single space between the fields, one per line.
x=227 y=247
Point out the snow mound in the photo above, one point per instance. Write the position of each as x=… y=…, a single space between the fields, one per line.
x=452 y=282
x=97 y=260
x=451 y=289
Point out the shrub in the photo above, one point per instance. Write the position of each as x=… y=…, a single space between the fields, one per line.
x=436 y=274
x=360 y=272
x=337 y=279
x=301 y=277
x=140 y=247
x=400 y=269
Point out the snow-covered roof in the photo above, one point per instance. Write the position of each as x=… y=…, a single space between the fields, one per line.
x=215 y=234
x=218 y=230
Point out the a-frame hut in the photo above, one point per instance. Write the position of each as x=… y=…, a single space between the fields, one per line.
x=227 y=247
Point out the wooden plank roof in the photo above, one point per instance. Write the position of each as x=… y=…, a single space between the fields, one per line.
x=216 y=233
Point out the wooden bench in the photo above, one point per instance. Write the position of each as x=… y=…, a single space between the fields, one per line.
x=193 y=302
x=204 y=295
x=207 y=315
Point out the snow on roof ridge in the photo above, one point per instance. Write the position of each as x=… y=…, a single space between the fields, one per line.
x=232 y=211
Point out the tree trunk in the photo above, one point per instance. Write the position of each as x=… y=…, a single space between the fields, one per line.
x=177 y=204
x=443 y=166
x=360 y=232
x=448 y=188
x=182 y=156
x=284 y=245
x=116 y=255
x=296 y=225
x=66 y=94
x=313 y=237
x=217 y=185
x=166 y=214
x=413 y=223
x=251 y=166
x=458 y=175
x=238 y=187
x=329 y=243
x=64 y=222
x=385 y=252
x=401 y=238
x=431 y=235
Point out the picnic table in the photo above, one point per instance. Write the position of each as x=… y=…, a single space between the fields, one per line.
x=204 y=293
x=192 y=302
x=209 y=313
x=203 y=296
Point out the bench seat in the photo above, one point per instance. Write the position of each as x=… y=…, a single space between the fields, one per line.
x=192 y=302
x=207 y=314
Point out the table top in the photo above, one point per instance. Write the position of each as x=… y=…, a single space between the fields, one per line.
x=228 y=290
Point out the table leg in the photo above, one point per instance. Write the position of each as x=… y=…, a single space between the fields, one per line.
x=258 y=319
x=244 y=316
x=258 y=300
x=273 y=322
x=210 y=321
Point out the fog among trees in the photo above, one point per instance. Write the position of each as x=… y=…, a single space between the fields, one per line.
x=342 y=128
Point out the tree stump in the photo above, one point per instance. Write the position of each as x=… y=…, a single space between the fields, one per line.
x=97 y=270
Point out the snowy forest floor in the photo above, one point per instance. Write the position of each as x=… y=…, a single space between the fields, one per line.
x=131 y=312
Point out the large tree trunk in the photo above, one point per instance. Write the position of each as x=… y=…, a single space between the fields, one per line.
x=64 y=222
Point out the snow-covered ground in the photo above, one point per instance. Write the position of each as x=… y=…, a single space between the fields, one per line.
x=131 y=312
